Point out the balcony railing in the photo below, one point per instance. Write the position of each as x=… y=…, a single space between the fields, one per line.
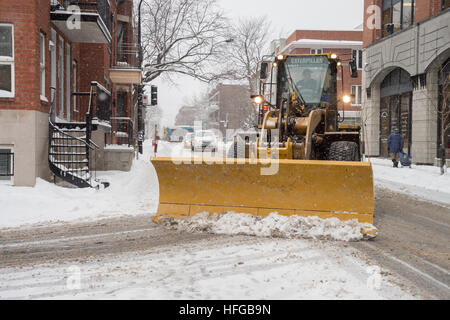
x=122 y=132
x=100 y=102
x=99 y=6
x=127 y=55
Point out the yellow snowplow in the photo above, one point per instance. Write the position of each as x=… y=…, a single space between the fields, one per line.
x=303 y=162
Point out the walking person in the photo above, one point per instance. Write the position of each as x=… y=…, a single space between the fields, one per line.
x=395 y=145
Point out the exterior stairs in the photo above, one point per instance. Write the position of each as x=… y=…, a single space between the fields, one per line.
x=69 y=154
x=70 y=148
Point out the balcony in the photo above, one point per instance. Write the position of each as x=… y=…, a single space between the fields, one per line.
x=86 y=21
x=126 y=70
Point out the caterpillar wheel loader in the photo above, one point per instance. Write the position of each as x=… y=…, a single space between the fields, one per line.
x=303 y=162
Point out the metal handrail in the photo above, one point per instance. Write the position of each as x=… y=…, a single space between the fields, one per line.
x=74 y=138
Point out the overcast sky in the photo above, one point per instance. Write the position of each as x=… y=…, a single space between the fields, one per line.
x=285 y=16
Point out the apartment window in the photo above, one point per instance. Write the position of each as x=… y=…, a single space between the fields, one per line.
x=42 y=66
x=316 y=51
x=356 y=95
x=120 y=42
x=408 y=13
x=6 y=164
x=357 y=55
x=397 y=15
x=74 y=72
x=6 y=60
x=445 y=4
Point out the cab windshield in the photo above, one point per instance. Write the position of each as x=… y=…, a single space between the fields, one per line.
x=310 y=77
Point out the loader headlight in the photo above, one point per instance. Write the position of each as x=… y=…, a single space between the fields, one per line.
x=334 y=56
x=257 y=99
x=280 y=57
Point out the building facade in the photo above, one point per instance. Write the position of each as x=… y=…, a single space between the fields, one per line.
x=234 y=107
x=348 y=45
x=52 y=54
x=405 y=76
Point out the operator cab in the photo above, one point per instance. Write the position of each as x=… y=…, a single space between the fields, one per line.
x=312 y=78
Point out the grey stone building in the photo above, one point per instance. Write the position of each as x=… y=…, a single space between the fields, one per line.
x=404 y=74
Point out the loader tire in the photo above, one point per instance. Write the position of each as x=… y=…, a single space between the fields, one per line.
x=343 y=151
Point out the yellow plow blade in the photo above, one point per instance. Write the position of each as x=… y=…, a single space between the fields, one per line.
x=325 y=189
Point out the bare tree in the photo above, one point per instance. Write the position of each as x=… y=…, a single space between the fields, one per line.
x=241 y=59
x=250 y=40
x=181 y=37
x=444 y=113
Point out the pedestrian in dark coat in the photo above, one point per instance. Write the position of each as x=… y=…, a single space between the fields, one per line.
x=395 y=145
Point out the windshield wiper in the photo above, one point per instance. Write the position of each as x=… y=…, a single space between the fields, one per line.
x=294 y=87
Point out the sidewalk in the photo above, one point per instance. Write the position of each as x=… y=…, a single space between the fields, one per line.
x=423 y=182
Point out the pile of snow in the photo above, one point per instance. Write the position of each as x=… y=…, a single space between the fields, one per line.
x=274 y=225
x=130 y=193
x=424 y=182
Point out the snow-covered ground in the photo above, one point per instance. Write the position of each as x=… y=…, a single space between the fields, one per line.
x=424 y=182
x=242 y=267
x=130 y=193
x=224 y=268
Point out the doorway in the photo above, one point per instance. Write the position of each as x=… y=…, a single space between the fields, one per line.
x=396 y=109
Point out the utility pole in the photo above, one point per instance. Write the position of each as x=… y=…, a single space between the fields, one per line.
x=141 y=125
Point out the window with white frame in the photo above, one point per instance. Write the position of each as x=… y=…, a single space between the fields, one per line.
x=356 y=95
x=6 y=60
x=42 y=67
x=316 y=51
x=357 y=55
x=6 y=164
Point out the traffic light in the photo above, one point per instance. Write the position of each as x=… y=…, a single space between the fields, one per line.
x=353 y=69
x=154 y=96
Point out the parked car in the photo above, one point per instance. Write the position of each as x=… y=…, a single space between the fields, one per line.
x=188 y=140
x=204 y=139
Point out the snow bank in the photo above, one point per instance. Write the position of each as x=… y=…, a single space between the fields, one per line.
x=131 y=193
x=274 y=225
x=424 y=182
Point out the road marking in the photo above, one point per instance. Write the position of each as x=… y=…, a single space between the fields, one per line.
x=434 y=265
x=429 y=219
x=409 y=266
x=49 y=241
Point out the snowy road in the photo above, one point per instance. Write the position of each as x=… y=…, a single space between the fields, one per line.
x=413 y=242
x=131 y=257
x=134 y=258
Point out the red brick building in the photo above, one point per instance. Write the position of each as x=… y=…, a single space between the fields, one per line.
x=405 y=76
x=348 y=45
x=66 y=45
